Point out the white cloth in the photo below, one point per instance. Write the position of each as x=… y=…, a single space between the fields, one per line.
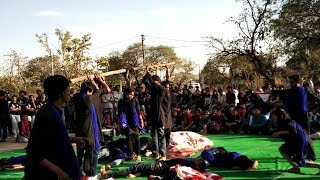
x=222 y=98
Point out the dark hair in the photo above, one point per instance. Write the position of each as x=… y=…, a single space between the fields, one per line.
x=281 y=113
x=164 y=83
x=2 y=93
x=255 y=107
x=156 y=78
x=244 y=162
x=295 y=78
x=128 y=91
x=117 y=86
x=31 y=96
x=54 y=86
x=38 y=90
x=202 y=165
x=85 y=87
x=14 y=96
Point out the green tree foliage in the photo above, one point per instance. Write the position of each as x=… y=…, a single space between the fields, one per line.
x=297 y=27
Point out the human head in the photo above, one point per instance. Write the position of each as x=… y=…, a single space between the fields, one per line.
x=279 y=114
x=215 y=92
x=43 y=96
x=71 y=90
x=107 y=116
x=2 y=93
x=256 y=111
x=229 y=88
x=57 y=87
x=197 y=112
x=187 y=110
x=31 y=98
x=14 y=99
x=129 y=93
x=235 y=112
x=214 y=111
x=199 y=164
x=294 y=80
x=219 y=111
x=166 y=85
x=156 y=79
x=220 y=90
x=24 y=117
x=86 y=88
x=117 y=88
x=22 y=93
x=39 y=92
x=243 y=105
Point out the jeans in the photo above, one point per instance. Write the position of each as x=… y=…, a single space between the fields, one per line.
x=31 y=120
x=159 y=141
x=15 y=119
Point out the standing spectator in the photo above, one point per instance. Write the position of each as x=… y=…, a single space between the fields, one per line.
x=39 y=93
x=22 y=100
x=24 y=129
x=207 y=99
x=221 y=96
x=15 y=110
x=31 y=110
x=118 y=95
x=131 y=122
x=88 y=119
x=157 y=116
x=4 y=116
x=42 y=101
x=296 y=103
x=108 y=102
x=230 y=96
x=49 y=152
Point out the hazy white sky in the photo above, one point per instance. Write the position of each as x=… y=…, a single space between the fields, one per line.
x=114 y=21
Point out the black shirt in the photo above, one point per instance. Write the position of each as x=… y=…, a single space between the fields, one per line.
x=31 y=105
x=14 y=105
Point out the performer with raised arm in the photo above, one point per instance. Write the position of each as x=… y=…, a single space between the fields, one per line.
x=157 y=114
x=88 y=120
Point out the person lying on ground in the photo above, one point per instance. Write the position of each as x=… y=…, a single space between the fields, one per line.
x=220 y=157
x=156 y=169
x=14 y=163
x=118 y=151
x=297 y=142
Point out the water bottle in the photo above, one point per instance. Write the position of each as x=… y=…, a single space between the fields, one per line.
x=204 y=129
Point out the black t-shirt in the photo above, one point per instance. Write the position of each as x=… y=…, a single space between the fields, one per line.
x=41 y=103
x=30 y=105
x=141 y=98
x=14 y=105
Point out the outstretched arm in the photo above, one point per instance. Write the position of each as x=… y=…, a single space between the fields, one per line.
x=167 y=74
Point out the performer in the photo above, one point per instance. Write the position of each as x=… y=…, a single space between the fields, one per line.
x=220 y=157
x=157 y=116
x=49 y=151
x=296 y=103
x=297 y=142
x=166 y=104
x=158 y=168
x=131 y=122
x=88 y=122
x=4 y=116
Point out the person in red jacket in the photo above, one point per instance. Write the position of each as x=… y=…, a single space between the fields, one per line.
x=187 y=124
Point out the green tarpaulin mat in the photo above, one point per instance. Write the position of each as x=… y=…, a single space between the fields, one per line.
x=262 y=148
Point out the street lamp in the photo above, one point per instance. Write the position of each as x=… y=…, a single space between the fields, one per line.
x=142 y=39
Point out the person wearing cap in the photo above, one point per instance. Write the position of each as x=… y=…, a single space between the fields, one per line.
x=50 y=154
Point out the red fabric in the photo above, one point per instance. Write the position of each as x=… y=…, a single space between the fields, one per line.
x=25 y=126
x=219 y=119
x=187 y=173
x=106 y=122
x=243 y=113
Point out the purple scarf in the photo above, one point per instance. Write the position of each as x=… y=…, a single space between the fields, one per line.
x=68 y=161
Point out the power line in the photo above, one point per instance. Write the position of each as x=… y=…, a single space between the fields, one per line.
x=99 y=47
x=170 y=39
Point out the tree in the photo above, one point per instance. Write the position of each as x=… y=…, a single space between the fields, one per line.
x=182 y=71
x=297 y=27
x=14 y=78
x=37 y=70
x=253 y=39
x=72 y=53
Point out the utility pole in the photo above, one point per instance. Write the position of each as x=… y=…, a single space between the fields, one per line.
x=142 y=40
x=199 y=74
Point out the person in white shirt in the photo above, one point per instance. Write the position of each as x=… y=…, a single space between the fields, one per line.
x=108 y=102
x=221 y=96
x=118 y=95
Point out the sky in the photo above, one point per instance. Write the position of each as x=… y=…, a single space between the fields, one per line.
x=116 y=24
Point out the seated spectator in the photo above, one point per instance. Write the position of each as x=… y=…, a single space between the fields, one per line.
x=216 y=123
x=233 y=122
x=197 y=120
x=243 y=112
x=24 y=129
x=106 y=123
x=256 y=123
x=187 y=124
x=176 y=119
